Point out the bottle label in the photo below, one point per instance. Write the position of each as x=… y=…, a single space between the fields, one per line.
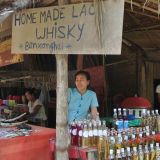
x=74 y=132
x=80 y=133
x=85 y=134
x=95 y=132
x=100 y=133
x=90 y=133
x=104 y=133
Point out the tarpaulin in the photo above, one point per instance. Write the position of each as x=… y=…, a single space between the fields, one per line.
x=33 y=147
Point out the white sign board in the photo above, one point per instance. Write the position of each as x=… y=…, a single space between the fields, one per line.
x=69 y=29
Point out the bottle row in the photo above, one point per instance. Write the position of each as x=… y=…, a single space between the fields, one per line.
x=135 y=153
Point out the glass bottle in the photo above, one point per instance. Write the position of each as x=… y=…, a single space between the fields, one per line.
x=129 y=155
x=124 y=114
x=90 y=135
x=79 y=132
x=118 y=141
x=112 y=141
x=73 y=134
x=157 y=152
x=95 y=134
x=120 y=113
x=111 y=155
x=85 y=137
x=101 y=148
x=123 y=154
x=146 y=153
x=115 y=118
x=118 y=155
x=143 y=118
x=135 y=154
x=140 y=153
x=152 y=152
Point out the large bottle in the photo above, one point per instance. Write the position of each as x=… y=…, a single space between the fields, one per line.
x=79 y=133
x=95 y=134
x=101 y=144
x=90 y=135
x=74 y=134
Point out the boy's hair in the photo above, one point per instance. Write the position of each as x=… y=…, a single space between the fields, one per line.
x=85 y=73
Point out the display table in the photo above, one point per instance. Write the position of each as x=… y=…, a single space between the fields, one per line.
x=33 y=147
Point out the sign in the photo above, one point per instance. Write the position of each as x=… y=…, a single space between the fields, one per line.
x=6 y=58
x=69 y=29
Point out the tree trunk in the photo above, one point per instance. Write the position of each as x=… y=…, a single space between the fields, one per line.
x=62 y=135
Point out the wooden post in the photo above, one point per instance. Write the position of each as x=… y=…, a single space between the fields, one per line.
x=62 y=137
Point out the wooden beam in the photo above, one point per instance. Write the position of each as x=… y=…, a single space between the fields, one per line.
x=141 y=6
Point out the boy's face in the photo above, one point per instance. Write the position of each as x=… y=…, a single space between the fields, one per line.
x=81 y=82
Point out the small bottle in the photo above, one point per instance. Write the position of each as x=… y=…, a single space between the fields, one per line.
x=119 y=141
x=146 y=153
x=157 y=151
x=129 y=155
x=135 y=154
x=123 y=155
x=120 y=114
x=152 y=152
x=115 y=118
x=118 y=155
x=140 y=153
x=124 y=114
x=85 y=137
x=111 y=155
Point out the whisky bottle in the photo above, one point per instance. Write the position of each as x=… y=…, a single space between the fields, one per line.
x=135 y=154
x=146 y=153
x=129 y=155
x=140 y=153
x=152 y=152
x=111 y=155
x=123 y=155
x=90 y=135
x=101 y=148
x=118 y=155
x=157 y=152
x=85 y=137
x=95 y=134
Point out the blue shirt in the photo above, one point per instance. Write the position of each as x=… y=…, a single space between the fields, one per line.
x=78 y=105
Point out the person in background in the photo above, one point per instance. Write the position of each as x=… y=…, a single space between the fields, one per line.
x=37 y=114
x=81 y=99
